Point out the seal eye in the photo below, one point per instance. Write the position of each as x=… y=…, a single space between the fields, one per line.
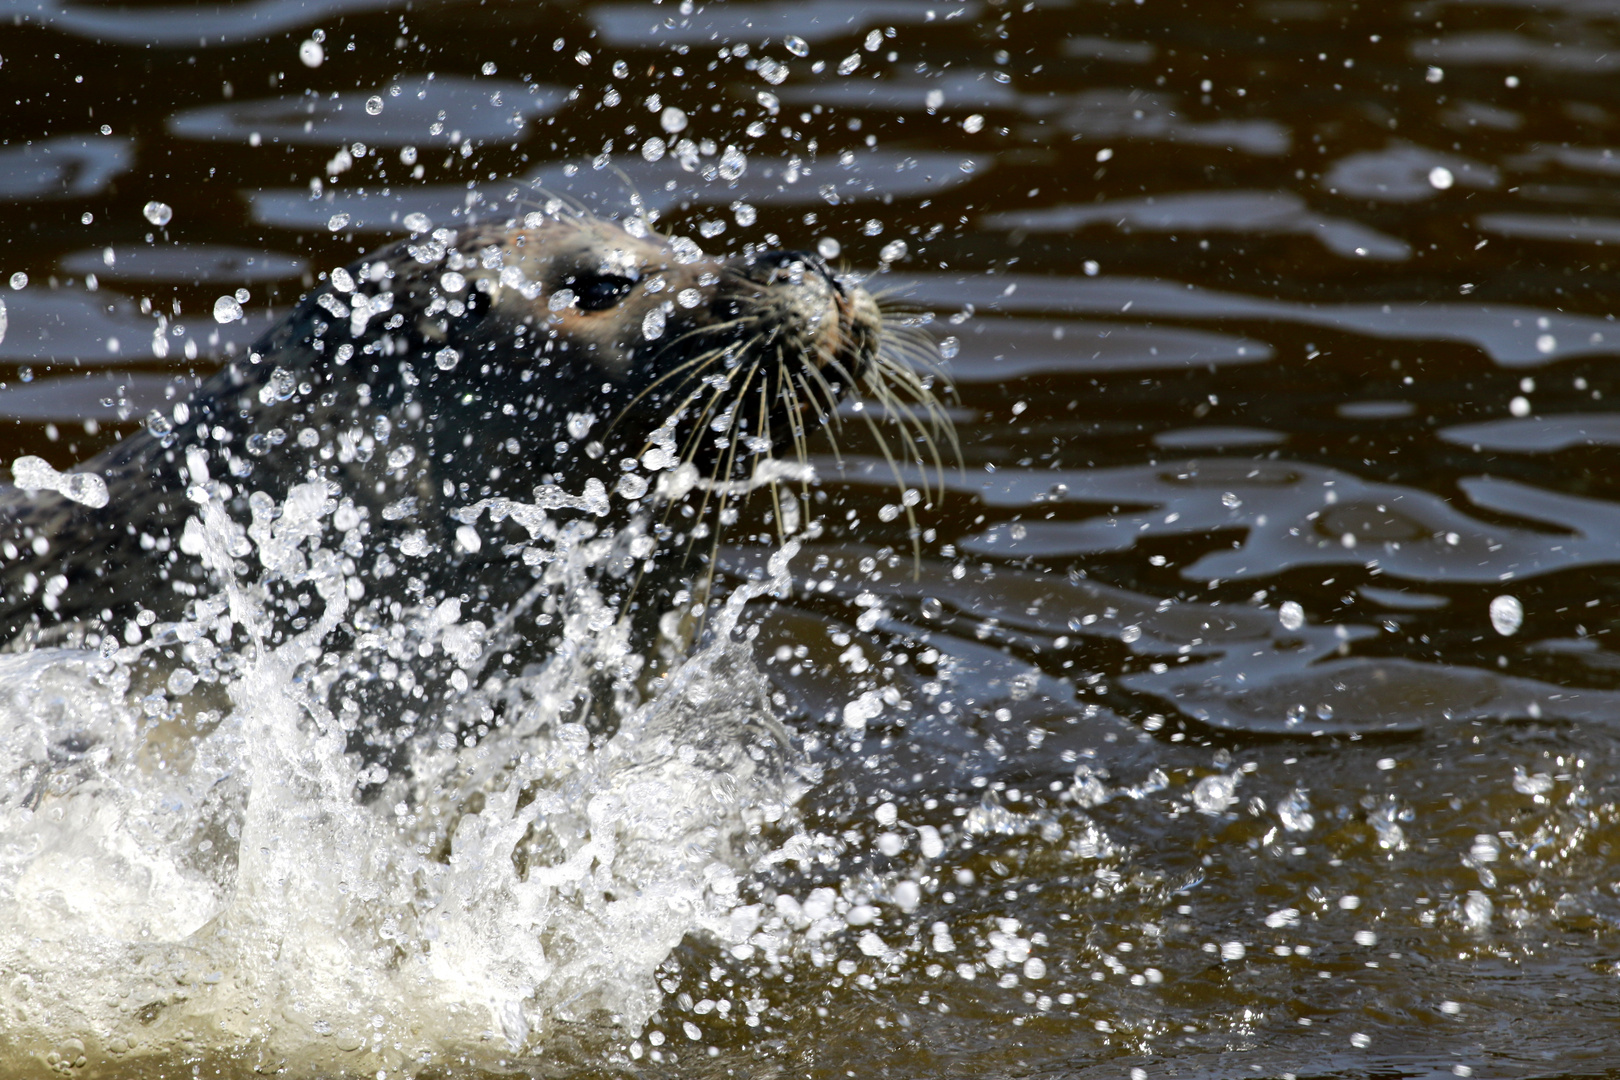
x=598 y=292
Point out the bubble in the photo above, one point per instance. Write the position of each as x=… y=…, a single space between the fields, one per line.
x=19 y=280
x=227 y=309
x=159 y=214
x=310 y=53
x=796 y=45
x=828 y=248
x=672 y=120
x=1507 y=615
x=374 y=105
x=893 y=251
x=653 y=148
x=452 y=281
x=446 y=358
x=744 y=214
x=1291 y=615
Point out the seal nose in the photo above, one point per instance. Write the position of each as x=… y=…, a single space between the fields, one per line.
x=773 y=261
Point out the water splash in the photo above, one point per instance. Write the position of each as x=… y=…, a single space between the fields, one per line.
x=210 y=858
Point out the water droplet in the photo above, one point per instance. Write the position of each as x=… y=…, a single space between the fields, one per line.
x=1215 y=793
x=1507 y=615
x=446 y=358
x=310 y=53
x=337 y=221
x=1295 y=811
x=488 y=68
x=374 y=105
x=672 y=120
x=1477 y=910
x=19 y=280
x=828 y=248
x=796 y=45
x=973 y=124
x=849 y=64
x=1440 y=178
x=652 y=325
x=733 y=163
x=1291 y=615
x=227 y=309
x=159 y=214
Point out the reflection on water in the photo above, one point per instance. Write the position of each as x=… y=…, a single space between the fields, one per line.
x=1248 y=705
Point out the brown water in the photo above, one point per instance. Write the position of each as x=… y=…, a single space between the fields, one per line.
x=1257 y=670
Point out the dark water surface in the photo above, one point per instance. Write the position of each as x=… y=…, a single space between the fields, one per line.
x=1257 y=674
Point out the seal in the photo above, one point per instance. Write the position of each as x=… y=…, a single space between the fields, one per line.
x=386 y=429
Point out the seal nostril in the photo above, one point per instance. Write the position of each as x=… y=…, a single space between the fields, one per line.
x=806 y=260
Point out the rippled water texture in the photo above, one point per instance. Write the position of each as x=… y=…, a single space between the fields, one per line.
x=1250 y=706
